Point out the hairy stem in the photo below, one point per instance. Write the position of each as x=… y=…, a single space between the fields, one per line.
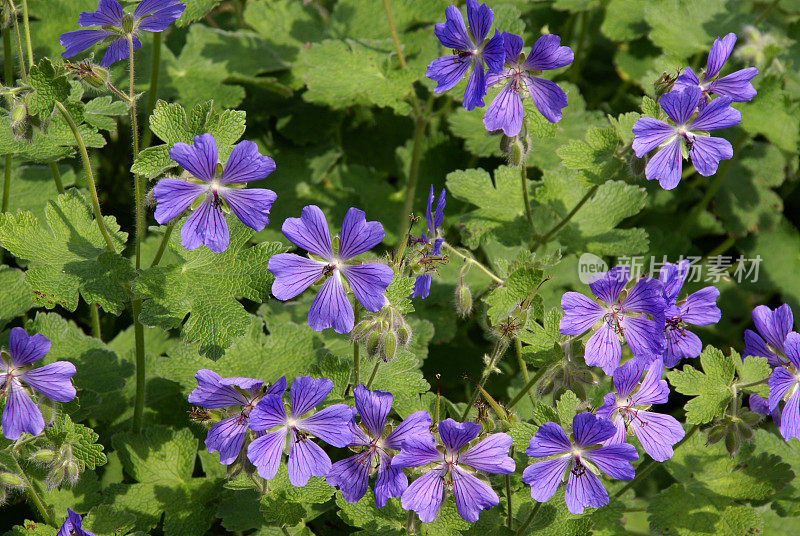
x=162 y=247
x=500 y=348
x=510 y=510
x=524 y=527
x=523 y=175
x=136 y=303
x=473 y=262
x=87 y=168
x=374 y=372
x=712 y=189
x=552 y=232
x=395 y=37
x=57 y=177
x=34 y=495
x=23 y=70
x=152 y=94
x=643 y=472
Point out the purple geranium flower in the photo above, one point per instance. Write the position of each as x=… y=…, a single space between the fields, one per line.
x=627 y=406
x=687 y=134
x=471 y=48
x=449 y=466
x=293 y=273
x=698 y=309
x=582 y=458
x=306 y=458
x=221 y=188
x=644 y=336
x=351 y=475
x=239 y=396
x=736 y=86
x=784 y=384
x=521 y=74
x=73 y=525
x=433 y=245
x=115 y=27
x=21 y=414
x=774 y=327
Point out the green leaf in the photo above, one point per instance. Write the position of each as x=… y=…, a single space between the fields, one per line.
x=595 y=157
x=172 y=125
x=709 y=387
x=107 y=521
x=522 y=283
x=195 y=10
x=82 y=440
x=285 y=25
x=750 y=370
x=774 y=114
x=567 y=408
x=678 y=512
x=15 y=294
x=236 y=509
x=69 y=258
x=398 y=293
x=624 y=20
x=500 y=211
x=48 y=87
x=31 y=528
x=158 y=455
x=365 y=515
x=101 y=113
x=204 y=286
x=348 y=73
x=286 y=504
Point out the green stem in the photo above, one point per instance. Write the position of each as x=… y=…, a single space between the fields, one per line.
x=578 y=59
x=162 y=247
x=521 y=530
x=473 y=262
x=8 y=66
x=413 y=171
x=87 y=168
x=152 y=95
x=752 y=384
x=523 y=368
x=712 y=189
x=33 y=495
x=285 y=531
x=765 y=12
x=136 y=303
x=57 y=177
x=524 y=183
x=509 y=511
x=20 y=52
x=95 y=311
x=651 y=465
x=374 y=372
x=395 y=36
x=26 y=25
x=526 y=388
x=552 y=232
x=499 y=349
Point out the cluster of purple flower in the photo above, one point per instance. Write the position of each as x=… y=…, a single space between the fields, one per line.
x=780 y=345
x=693 y=113
x=502 y=58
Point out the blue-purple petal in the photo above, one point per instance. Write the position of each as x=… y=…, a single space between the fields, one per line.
x=79 y=40
x=118 y=50
x=206 y=227
x=719 y=54
x=265 y=453
x=707 y=152
x=548 y=98
x=548 y=54
x=246 y=164
x=251 y=205
x=471 y=495
x=109 y=13
x=306 y=459
x=24 y=349
x=330 y=424
x=447 y=71
x=351 y=476
x=368 y=282
x=648 y=134
x=424 y=495
x=199 y=159
x=331 y=308
x=310 y=232
x=293 y=274
x=174 y=196
x=20 y=414
x=373 y=408
x=358 y=235
x=53 y=380
x=666 y=165
x=456 y=435
x=490 y=455
x=680 y=105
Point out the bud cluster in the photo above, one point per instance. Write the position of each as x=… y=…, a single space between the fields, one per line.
x=734 y=429
x=382 y=332
x=60 y=465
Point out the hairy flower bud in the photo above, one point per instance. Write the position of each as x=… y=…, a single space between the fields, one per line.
x=389 y=346
x=43 y=456
x=463 y=301
x=11 y=480
x=663 y=84
x=373 y=343
x=404 y=334
x=72 y=472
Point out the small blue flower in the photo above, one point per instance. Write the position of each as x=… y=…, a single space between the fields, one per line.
x=433 y=245
x=115 y=26
x=687 y=133
x=220 y=187
x=736 y=86
x=471 y=49
x=293 y=273
x=773 y=327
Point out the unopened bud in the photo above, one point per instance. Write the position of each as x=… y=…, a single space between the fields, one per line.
x=95 y=76
x=72 y=472
x=11 y=480
x=463 y=301
x=55 y=477
x=389 y=346
x=404 y=334
x=361 y=330
x=373 y=343
x=663 y=84
x=733 y=440
x=43 y=456
x=127 y=23
x=715 y=434
x=19 y=113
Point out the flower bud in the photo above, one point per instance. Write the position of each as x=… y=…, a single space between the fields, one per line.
x=404 y=334
x=95 y=76
x=127 y=23
x=11 y=480
x=19 y=113
x=389 y=346
x=733 y=440
x=463 y=301
x=373 y=343
x=55 y=477
x=663 y=84
x=43 y=456
x=71 y=472
x=362 y=330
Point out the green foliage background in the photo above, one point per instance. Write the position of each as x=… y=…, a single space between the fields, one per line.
x=319 y=87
